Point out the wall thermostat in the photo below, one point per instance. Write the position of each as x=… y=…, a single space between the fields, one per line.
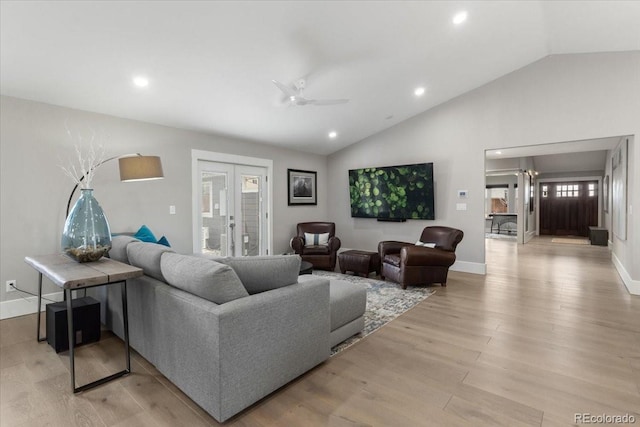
x=462 y=194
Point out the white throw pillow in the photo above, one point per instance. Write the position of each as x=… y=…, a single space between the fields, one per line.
x=427 y=245
x=316 y=239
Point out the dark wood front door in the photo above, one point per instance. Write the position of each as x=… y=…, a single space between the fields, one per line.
x=568 y=208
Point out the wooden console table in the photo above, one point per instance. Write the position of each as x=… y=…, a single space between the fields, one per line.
x=71 y=275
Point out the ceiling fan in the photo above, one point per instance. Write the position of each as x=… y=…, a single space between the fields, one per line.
x=295 y=95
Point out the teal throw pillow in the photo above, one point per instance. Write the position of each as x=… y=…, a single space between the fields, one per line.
x=163 y=241
x=145 y=235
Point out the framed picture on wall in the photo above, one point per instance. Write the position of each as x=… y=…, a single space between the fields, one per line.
x=303 y=187
x=619 y=191
x=531 y=194
x=605 y=193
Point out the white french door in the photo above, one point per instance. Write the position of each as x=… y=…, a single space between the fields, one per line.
x=231 y=209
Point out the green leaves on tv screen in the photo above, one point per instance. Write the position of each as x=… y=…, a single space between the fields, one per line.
x=393 y=192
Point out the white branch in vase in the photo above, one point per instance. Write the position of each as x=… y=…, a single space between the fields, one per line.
x=87 y=164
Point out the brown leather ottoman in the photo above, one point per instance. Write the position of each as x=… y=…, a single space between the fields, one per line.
x=360 y=262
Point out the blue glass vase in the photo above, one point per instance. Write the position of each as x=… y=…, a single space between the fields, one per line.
x=86 y=236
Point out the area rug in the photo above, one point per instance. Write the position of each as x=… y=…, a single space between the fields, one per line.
x=573 y=241
x=385 y=302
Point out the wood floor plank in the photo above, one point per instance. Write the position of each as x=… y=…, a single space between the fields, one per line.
x=539 y=388
x=549 y=332
x=603 y=370
x=504 y=409
x=113 y=403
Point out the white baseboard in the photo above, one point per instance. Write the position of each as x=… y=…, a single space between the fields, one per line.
x=633 y=286
x=24 y=306
x=469 y=267
x=529 y=235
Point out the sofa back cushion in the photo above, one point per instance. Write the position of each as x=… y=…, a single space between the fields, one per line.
x=147 y=257
x=118 y=249
x=263 y=273
x=202 y=277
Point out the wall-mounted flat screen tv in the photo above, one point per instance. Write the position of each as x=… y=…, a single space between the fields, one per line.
x=392 y=192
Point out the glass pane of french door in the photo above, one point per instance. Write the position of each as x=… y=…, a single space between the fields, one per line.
x=214 y=208
x=249 y=224
x=232 y=220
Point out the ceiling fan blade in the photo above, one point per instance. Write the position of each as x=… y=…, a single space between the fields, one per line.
x=285 y=89
x=326 y=101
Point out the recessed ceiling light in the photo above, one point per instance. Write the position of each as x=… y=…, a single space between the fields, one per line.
x=333 y=134
x=419 y=91
x=460 y=17
x=141 y=81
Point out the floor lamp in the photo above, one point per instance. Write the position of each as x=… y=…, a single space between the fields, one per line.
x=133 y=167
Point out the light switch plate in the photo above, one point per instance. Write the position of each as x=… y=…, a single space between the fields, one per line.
x=461 y=206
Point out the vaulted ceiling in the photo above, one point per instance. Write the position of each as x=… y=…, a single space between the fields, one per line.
x=210 y=65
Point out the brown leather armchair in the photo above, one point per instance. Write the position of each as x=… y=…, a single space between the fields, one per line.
x=408 y=264
x=322 y=256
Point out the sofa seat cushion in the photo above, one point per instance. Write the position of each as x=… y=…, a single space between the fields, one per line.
x=264 y=273
x=205 y=278
x=348 y=302
x=316 y=250
x=393 y=259
x=147 y=257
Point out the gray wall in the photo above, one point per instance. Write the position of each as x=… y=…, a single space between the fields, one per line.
x=34 y=190
x=559 y=98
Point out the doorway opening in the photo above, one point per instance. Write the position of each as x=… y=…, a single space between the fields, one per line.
x=566 y=163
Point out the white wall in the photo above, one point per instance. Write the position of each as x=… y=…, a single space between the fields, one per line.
x=34 y=190
x=559 y=98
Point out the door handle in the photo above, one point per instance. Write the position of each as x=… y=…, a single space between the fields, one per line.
x=232 y=226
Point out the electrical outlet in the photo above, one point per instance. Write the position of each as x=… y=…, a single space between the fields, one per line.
x=11 y=286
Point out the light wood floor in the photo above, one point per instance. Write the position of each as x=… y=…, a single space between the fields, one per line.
x=550 y=331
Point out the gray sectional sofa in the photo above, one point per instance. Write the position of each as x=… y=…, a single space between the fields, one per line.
x=229 y=331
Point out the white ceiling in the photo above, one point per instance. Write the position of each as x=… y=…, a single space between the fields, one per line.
x=570 y=156
x=210 y=64
x=571 y=162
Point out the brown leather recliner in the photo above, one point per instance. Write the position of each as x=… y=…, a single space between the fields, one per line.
x=408 y=264
x=323 y=256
